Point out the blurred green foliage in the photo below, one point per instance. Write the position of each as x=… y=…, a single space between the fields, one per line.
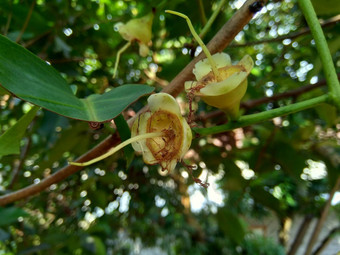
x=280 y=168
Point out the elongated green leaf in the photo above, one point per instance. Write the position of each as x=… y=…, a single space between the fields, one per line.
x=10 y=140
x=31 y=79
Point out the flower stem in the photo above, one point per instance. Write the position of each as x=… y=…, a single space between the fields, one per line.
x=322 y=47
x=212 y=19
x=200 y=42
x=248 y=120
x=121 y=50
x=117 y=148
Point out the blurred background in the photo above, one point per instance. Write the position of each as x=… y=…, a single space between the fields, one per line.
x=268 y=183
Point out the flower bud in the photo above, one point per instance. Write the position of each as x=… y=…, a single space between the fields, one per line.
x=139 y=30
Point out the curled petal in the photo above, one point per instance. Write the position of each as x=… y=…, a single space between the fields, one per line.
x=202 y=67
x=225 y=86
x=164 y=117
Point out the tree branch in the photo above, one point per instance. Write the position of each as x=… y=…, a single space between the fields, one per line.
x=323 y=50
x=300 y=234
x=322 y=218
x=248 y=120
x=30 y=11
x=256 y=102
x=219 y=42
x=303 y=31
x=327 y=240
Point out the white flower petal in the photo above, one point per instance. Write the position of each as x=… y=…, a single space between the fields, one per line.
x=247 y=62
x=187 y=135
x=139 y=127
x=164 y=101
x=188 y=85
x=203 y=67
x=223 y=87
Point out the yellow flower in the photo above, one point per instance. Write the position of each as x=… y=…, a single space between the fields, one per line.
x=138 y=30
x=225 y=91
x=164 y=117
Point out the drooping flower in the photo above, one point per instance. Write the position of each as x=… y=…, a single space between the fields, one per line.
x=226 y=91
x=161 y=134
x=164 y=116
x=138 y=30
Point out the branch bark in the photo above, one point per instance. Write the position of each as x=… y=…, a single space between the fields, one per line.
x=322 y=219
x=218 y=43
x=327 y=240
x=294 y=35
x=301 y=234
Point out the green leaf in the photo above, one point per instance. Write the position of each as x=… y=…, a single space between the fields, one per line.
x=232 y=225
x=328 y=113
x=124 y=132
x=33 y=80
x=266 y=199
x=233 y=179
x=10 y=215
x=10 y=140
x=326 y=8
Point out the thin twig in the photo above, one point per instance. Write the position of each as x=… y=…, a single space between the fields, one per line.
x=30 y=11
x=218 y=43
x=303 y=31
x=202 y=12
x=9 y=19
x=212 y=19
x=300 y=234
x=19 y=163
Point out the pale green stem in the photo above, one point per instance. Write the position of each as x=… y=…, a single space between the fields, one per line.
x=251 y=119
x=322 y=47
x=212 y=19
x=121 y=50
x=117 y=148
x=202 y=12
x=200 y=42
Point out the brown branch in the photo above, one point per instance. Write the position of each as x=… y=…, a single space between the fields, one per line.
x=219 y=42
x=61 y=174
x=19 y=163
x=327 y=240
x=30 y=11
x=322 y=218
x=303 y=31
x=300 y=234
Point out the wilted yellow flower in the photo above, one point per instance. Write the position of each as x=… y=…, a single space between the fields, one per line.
x=225 y=91
x=164 y=117
x=161 y=134
x=138 y=30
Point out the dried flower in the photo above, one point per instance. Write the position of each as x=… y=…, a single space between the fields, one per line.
x=164 y=117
